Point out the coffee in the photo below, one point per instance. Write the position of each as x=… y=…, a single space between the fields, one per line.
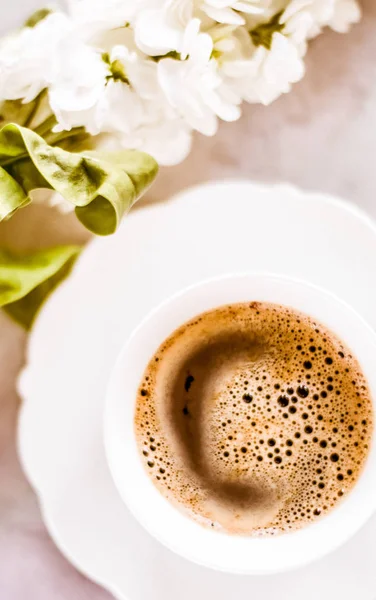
x=254 y=419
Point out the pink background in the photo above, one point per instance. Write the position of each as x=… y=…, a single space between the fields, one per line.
x=321 y=137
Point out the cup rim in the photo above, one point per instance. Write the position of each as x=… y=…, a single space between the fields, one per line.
x=116 y=444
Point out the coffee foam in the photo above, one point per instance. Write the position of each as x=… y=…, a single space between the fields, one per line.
x=254 y=419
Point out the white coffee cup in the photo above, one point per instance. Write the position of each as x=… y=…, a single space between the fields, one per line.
x=181 y=534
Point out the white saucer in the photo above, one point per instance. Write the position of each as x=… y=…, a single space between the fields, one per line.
x=205 y=231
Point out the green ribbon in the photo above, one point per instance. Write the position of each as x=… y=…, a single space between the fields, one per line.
x=101 y=186
x=26 y=280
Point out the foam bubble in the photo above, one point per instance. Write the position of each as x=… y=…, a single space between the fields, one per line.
x=254 y=418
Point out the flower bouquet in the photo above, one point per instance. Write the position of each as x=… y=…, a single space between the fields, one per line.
x=93 y=99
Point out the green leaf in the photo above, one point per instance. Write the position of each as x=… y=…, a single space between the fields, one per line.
x=102 y=186
x=26 y=280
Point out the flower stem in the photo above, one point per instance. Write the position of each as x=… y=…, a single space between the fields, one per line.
x=63 y=135
x=37 y=103
x=46 y=126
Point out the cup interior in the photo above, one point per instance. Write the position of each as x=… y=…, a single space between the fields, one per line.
x=221 y=551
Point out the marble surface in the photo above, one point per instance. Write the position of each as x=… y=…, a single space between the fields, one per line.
x=320 y=137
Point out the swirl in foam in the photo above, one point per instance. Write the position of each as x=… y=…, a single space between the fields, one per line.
x=254 y=419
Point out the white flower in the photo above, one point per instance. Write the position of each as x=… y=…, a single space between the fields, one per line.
x=145 y=73
x=319 y=11
x=92 y=17
x=132 y=83
x=77 y=86
x=229 y=11
x=233 y=51
x=102 y=93
x=169 y=141
x=194 y=88
x=161 y=29
x=26 y=58
x=120 y=109
x=305 y=19
x=345 y=14
x=274 y=70
x=231 y=44
x=158 y=130
x=258 y=74
x=121 y=96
